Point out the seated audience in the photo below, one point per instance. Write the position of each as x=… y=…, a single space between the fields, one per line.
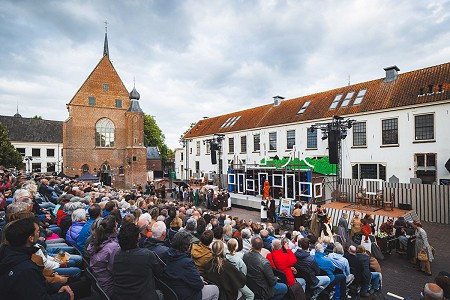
x=201 y=253
x=134 y=268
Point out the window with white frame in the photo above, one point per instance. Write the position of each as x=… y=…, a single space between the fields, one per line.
x=369 y=171
x=359 y=134
x=311 y=138
x=389 y=131
x=243 y=144
x=197 y=144
x=104 y=133
x=290 y=139
x=256 y=142
x=272 y=141
x=359 y=98
x=347 y=99
x=335 y=102
x=230 y=145
x=424 y=127
x=208 y=148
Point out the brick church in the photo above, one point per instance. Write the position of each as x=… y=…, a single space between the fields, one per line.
x=104 y=133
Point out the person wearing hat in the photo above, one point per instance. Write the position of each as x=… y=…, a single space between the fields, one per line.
x=388 y=226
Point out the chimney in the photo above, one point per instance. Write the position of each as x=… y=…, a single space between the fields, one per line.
x=391 y=73
x=277 y=100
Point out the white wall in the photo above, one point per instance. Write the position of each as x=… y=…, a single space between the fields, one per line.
x=399 y=160
x=43 y=159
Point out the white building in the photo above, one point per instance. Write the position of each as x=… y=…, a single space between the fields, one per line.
x=39 y=142
x=400 y=129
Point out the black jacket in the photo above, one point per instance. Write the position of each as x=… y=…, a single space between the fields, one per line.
x=157 y=246
x=133 y=274
x=307 y=267
x=20 y=278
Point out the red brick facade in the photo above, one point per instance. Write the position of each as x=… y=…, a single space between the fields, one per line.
x=123 y=164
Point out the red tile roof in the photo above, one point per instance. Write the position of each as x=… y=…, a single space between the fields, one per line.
x=380 y=95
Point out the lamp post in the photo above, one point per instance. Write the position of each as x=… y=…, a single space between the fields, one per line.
x=28 y=159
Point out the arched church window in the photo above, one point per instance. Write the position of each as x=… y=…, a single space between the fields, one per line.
x=106 y=167
x=104 y=133
x=84 y=168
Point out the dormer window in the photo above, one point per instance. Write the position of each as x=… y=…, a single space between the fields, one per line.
x=359 y=98
x=347 y=99
x=421 y=92
x=335 y=102
x=430 y=89
x=304 y=107
x=105 y=87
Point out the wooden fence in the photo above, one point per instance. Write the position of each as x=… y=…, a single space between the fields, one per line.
x=430 y=201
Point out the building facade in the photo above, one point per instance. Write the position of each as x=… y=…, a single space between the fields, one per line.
x=398 y=128
x=104 y=133
x=38 y=141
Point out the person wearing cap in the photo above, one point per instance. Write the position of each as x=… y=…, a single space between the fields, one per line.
x=388 y=226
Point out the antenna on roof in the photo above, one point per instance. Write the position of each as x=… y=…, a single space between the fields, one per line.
x=348 y=83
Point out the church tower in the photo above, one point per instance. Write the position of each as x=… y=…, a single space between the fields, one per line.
x=104 y=133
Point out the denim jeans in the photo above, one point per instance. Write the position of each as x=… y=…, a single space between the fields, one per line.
x=340 y=285
x=324 y=281
x=302 y=283
x=72 y=272
x=374 y=282
x=52 y=249
x=74 y=260
x=279 y=290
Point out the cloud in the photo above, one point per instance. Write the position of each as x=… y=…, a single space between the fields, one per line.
x=205 y=58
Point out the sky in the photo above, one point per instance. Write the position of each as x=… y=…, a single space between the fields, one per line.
x=195 y=59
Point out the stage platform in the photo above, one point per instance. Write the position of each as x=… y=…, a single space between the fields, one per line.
x=335 y=209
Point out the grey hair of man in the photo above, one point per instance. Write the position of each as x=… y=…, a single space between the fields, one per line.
x=276 y=244
x=16 y=207
x=160 y=218
x=191 y=224
x=432 y=291
x=158 y=229
x=319 y=247
x=22 y=195
x=70 y=207
x=338 y=248
x=246 y=233
x=264 y=233
x=78 y=215
x=352 y=250
x=146 y=216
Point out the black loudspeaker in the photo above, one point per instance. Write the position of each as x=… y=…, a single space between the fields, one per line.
x=447 y=165
x=213 y=149
x=405 y=206
x=333 y=153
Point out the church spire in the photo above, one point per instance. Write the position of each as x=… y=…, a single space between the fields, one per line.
x=105 y=46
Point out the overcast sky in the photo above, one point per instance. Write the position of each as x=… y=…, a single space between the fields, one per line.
x=206 y=58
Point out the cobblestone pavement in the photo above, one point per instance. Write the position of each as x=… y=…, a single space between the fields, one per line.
x=399 y=276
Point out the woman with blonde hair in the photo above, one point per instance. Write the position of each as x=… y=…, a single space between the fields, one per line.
x=224 y=274
x=237 y=261
x=356 y=224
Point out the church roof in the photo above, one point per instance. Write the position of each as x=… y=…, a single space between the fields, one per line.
x=424 y=86
x=104 y=85
x=33 y=130
x=153 y=153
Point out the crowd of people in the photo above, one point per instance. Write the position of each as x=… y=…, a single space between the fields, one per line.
x=132 y=241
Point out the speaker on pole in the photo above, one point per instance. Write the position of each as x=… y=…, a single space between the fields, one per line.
x=213 y=149
x=333 y=153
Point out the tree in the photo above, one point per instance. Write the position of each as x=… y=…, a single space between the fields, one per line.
x=186 y=131
x=9 y=157
x=37 y=117
x=153 y=137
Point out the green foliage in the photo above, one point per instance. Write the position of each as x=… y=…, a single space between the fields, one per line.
x=186 y=131
x=37 y=117
x=153 y=136
x=9 y=157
